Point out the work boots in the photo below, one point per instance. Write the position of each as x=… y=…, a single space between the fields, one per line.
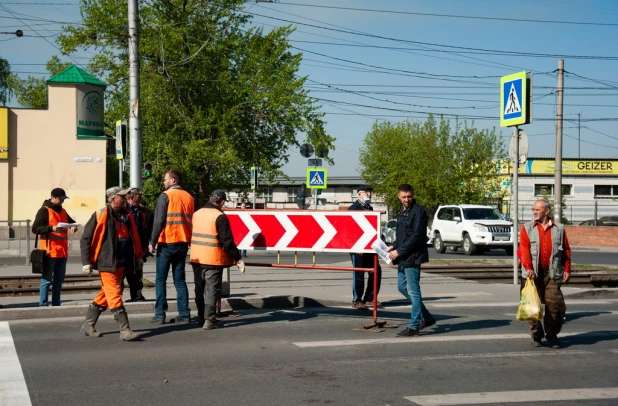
x=123 y=324
x=211 y=322
x=94 y=311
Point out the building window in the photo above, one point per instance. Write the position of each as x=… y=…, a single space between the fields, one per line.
x=605 y=190
x=548 y=189
x=294 y=193
x=266 y=192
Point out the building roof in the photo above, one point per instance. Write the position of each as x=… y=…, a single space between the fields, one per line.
x=74 y=75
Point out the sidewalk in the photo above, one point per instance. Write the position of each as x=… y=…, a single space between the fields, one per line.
x=261 y=287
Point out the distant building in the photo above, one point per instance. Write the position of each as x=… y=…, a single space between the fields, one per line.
x=589 y=186
x=62 y=146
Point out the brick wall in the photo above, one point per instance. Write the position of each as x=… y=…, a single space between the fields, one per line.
x=592 y=236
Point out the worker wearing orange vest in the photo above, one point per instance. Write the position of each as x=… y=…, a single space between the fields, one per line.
x=171 y=235
x=110 y=242
x=54 y=240
x=212 y=249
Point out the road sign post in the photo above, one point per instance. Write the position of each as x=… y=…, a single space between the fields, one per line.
x=254 y=182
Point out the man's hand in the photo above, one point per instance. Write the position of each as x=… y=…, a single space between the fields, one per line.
x=389 y=248
x=393 y=254
x=87 y=270
x=241 y=266
x=566 y=276
x=530 y=273
x=151 y=249
x=73 y=229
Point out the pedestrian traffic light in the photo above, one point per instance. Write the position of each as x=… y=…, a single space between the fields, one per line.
x=147 y=170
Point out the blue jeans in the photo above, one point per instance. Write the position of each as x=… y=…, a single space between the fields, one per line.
x=174 y=255
x=55 y=270
x=409 y=285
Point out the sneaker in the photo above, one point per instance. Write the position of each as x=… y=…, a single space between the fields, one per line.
x=140 y=298
x=536 y=342
x=554 y=342
x=359 y=306
x=154 y=320
x=407 y=332
x=178 y=320
x=425 y=324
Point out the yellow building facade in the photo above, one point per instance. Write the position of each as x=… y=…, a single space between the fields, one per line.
x=63 y=146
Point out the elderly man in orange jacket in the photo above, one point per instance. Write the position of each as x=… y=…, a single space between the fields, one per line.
x=109 y=243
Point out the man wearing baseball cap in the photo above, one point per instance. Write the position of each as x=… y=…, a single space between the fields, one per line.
x=363 y=260
x=212 y=249
x=54 y=240
x=109 y=243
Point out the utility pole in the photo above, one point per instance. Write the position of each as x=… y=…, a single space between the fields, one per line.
x=558 y=160
x=579 y=129
x=135 y=120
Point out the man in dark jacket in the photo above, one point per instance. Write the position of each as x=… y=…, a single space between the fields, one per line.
x=409 y=251
x=110 y=241
x=363 y=260
x=54 y=240
x=143 y=220
x=212 y=249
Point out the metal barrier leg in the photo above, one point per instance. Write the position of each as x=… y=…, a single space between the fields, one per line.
x=28 y=242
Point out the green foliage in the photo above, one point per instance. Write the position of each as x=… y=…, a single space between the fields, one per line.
x=31 y=92
x=547 y=197
x=217 y=95
x=444 y=165
x=5 y=74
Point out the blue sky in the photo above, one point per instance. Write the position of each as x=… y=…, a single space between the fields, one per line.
x=428 y=76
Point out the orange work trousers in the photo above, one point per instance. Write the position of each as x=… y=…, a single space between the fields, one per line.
x=110 y=295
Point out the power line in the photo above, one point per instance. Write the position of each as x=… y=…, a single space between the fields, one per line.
x=398 y=12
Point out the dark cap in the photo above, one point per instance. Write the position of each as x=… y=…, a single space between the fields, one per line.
x=364 y=188
x=59 y=193
x=219 y=195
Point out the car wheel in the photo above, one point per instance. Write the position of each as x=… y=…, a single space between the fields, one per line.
x=468 y=246
x=509 y=251
x=438 y=244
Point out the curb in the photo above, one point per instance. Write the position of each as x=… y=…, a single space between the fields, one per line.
x=595 y=294
x=233 y=303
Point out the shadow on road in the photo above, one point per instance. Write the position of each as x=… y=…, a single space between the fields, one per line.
x=578 y=315
x=470 y=325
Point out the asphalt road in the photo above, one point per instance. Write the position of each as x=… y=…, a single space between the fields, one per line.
x=300 y=357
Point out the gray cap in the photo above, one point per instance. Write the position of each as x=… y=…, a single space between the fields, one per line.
x=116 y=191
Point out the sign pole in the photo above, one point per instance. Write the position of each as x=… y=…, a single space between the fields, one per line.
x=515 y=210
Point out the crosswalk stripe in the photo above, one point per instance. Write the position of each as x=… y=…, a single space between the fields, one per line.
x=13 y=389
x=448 y=357
x=524 y=396
x=432 y=338
x=509 y=304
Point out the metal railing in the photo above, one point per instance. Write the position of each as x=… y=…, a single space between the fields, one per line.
x=575 y=211
x=15 y=239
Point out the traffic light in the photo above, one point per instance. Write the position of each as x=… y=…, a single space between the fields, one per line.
x=147 y=173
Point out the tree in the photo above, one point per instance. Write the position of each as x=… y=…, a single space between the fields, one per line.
x=5 y=74
x=443 y=165
x=31 y=92
x=217 y=95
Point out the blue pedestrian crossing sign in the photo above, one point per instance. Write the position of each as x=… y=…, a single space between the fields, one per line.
x=515 y=93
x=316 y=178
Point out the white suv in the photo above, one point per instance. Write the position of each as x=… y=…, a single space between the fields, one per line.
x=474 y=228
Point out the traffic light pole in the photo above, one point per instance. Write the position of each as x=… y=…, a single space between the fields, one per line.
x=135 y=121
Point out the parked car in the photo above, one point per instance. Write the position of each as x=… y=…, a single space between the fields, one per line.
x=389 y=229
x=475 y=228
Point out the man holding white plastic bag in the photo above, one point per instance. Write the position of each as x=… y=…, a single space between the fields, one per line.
x=212 y=249
x=546 y=257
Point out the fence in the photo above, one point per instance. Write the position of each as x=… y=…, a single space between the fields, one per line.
x=15 y=239
x=576 y=211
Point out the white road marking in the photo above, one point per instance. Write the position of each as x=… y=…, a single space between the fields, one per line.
x=449 y=357
x=508 y=304
x=614 y=351
x=13 y=389
x=432 y=338
x=524 y=396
